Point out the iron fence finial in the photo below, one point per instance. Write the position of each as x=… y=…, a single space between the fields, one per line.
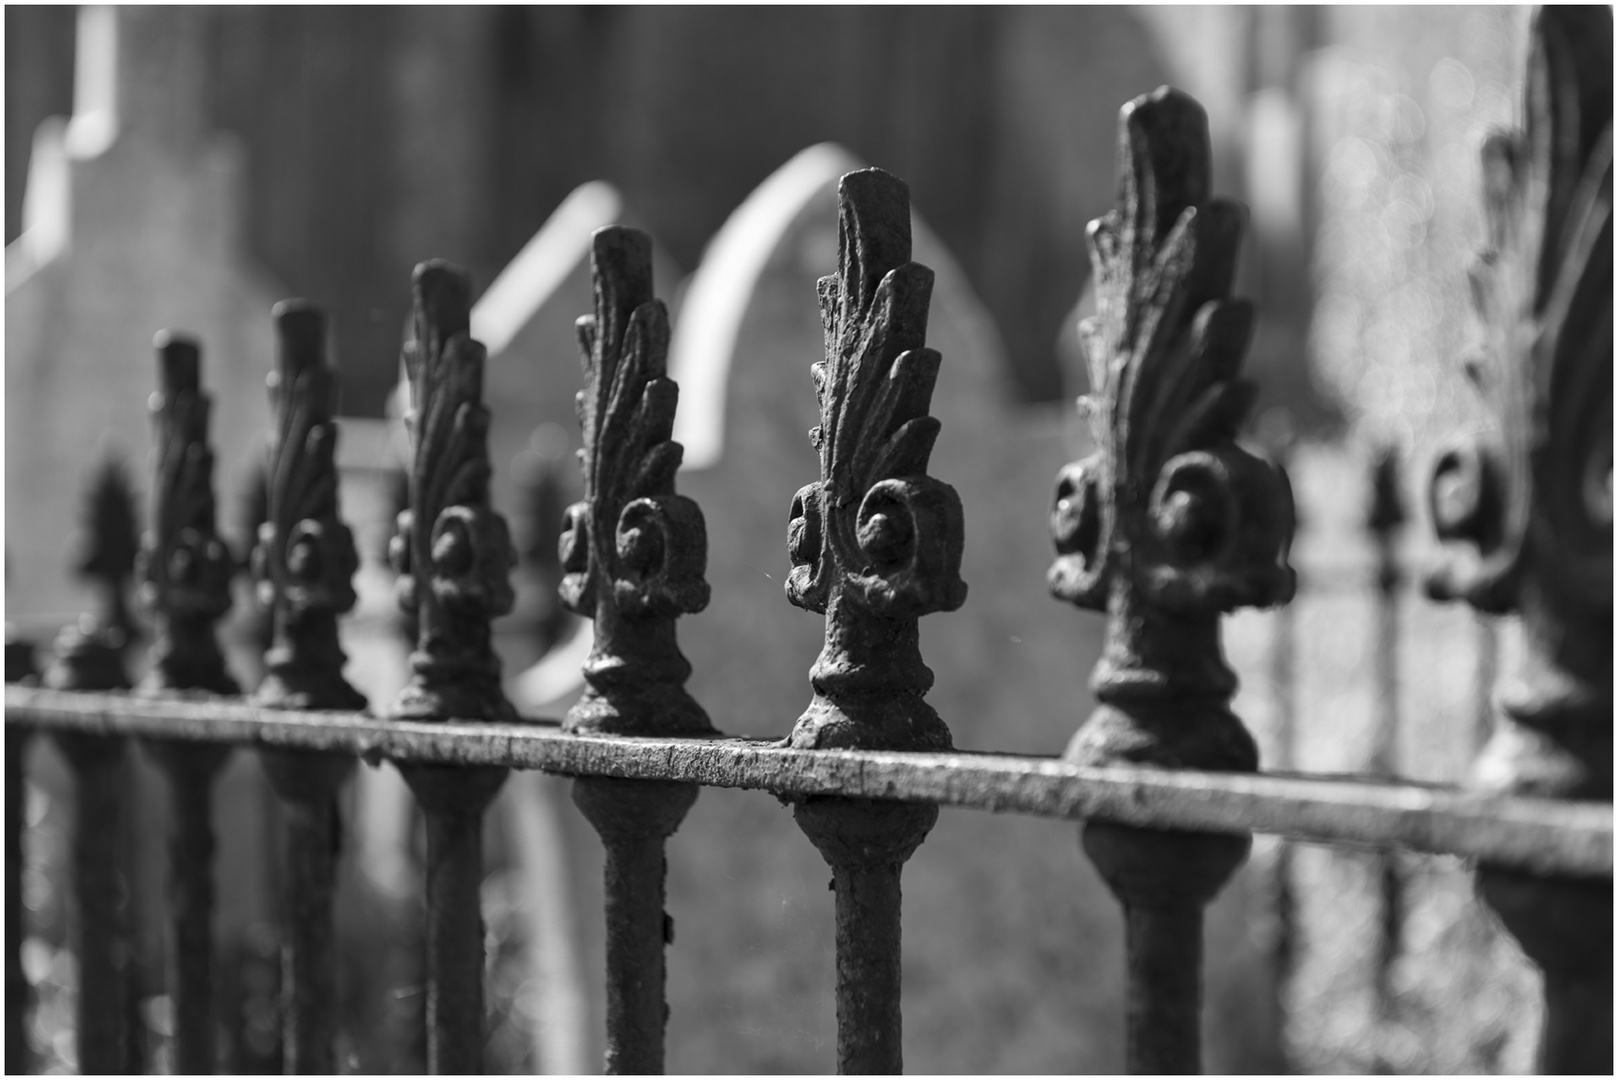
x=1168 y=525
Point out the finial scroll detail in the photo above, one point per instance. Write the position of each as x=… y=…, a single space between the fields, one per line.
x=633 y=551
x=1524 y=508
x=304 y=561
x=1170 y=522
x=876 y=543
x=184 y=567
x=452 y=551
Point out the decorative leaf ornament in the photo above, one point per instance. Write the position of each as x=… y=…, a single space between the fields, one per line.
x=1525 y=508
x=633 y=552
x=1170 y=522
x=452 y=551
x=305 y=560
x=185 y=569
x=876 y=542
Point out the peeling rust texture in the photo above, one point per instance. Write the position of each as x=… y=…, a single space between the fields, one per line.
x=101 y=900
x=1542 y=836
x=635 y=820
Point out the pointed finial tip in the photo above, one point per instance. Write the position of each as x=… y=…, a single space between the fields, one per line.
x=443 y=293
x=301 y=325
x=179 y=360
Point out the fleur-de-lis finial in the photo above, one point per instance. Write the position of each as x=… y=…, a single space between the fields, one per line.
x=452 y=550
x=876 y=542
x=1524 y=509
x=1167 y=525
x=633 y=551
x=185 y=569
x=304 y=560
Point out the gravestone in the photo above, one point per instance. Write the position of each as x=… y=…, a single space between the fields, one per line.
x=1012 y=946
x=131 y=225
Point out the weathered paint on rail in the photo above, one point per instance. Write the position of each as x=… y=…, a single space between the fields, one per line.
x=1540 y=835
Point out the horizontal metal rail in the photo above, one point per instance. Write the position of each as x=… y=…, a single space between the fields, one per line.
x=1539 y=835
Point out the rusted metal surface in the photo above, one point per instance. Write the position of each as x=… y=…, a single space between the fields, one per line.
x=635 y=818
x=1525 y=507
x=633 y=557
x=304 y=562
x=452 y=550
x=1535 y=834
x=454 y=557
x=304 y=559
x=1168 y=525
x=875 y=544
x=184 y=567
x=866 y=844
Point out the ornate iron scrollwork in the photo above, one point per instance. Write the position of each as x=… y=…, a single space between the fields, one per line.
x=304 y=561
x=452 y=550
x=876 y=542
x=185 y=568
x=1170 y=522
x=1525 y=509
x=633 y=552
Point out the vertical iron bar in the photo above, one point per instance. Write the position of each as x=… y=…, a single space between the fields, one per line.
x=1382 y=521
x=1524 y=506
x=635 y=818
x=101 y=895
x=307 y=786
x=633 y=588
x=189 y=962
x=875 y=545
x=1163 y=951
x=1213 y=535
x=453 y=801
x=1487 y=636
x=867 y=843
x=185 y=573
x=19 y=668
x=304 y=561
x=870 y=1032
x=454 y=554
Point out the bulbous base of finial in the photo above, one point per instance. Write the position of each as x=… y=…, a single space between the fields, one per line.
x=855 y=834
x=306 y=688
x=874 y=721
x=424 y=700
x=657 y=709
x=1157 y=868
x=1172 y=733
x=186 y=657
x=89 y=656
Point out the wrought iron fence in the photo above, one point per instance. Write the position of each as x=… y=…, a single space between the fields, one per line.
x=1168 y=525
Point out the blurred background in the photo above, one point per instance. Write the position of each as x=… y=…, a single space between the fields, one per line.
x=190 y=166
